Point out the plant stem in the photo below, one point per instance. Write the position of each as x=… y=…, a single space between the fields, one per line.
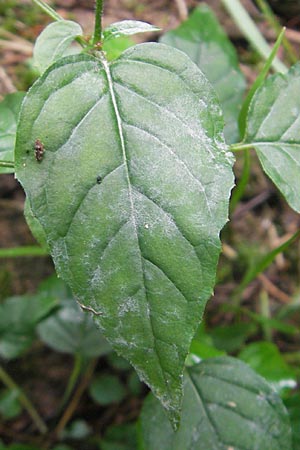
x=24 y=400
x=251 y=32
x=273 y=21
x=72 y=380
x=69 y=411
x=240 y=146
x=258 y=82
x=98 y=22
x=241 y=185
x=16 y=252
x=9 y=164
x=48 y=10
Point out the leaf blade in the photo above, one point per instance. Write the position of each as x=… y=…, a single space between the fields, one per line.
x=130 y=228
x=224 y=401
x=127 y=28
x=272 y=129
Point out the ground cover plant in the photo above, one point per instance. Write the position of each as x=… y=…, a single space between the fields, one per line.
x=128 y=173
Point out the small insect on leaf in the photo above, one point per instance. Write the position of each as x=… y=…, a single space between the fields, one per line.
x=39 y=150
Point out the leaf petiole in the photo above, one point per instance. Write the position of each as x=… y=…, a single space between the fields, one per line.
x=9 y=164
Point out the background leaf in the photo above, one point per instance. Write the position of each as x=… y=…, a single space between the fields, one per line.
x=273 y=128
x=265 y=359
x=73 y=331
x=202 y=38
x=106 y=389
x=54 y=42
x=137 y=179
x=226 y=405
x=9 y=113
x=18 y=319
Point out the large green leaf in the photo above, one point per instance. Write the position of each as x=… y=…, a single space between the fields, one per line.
x=132 y=192
x=9 y=113
x=226 y=406
x=273 y=128
x=202 y=38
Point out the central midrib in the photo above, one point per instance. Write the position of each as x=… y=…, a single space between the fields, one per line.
x=132 y=207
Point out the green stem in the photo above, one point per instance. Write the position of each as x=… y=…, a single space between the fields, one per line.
x=239 y=190
x=16 y=252
x=240 y=146
x=72 y=380
x=24 y=400
x=251 y=32
x=98 y=22
x=48 y=10
x=9 y=164
x=257 y=83
x=273 y=21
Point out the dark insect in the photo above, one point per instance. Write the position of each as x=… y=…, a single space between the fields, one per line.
x=39 y=150
x=99 y=179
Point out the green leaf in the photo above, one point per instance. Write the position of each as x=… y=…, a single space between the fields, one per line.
x=77 y=430
x=202 y=38
x=231 y=337
x=9 y=113
x=120 y=437
x=273 y=129
x=54 y=42
x=115 y=47
x=225 y=406
x=292 y=404
x=106 y=389
x=71 y=330
x=132 y=193
x=9 y=404
x=18 y=319
x=265 y=359
x=127 y=28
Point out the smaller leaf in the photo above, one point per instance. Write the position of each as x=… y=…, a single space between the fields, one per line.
x=78 y=429
x=265 y=359
x=54 y=42
x=273 y=129
x=226 y=405
x=70 y=330
x=120 y=437
x=9 y=404
x=18 y=319
x=127 y=28
x=107 y=389
x=9 y=113
x=231 y=337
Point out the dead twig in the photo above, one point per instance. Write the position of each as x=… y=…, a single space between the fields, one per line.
x=273 y=290
x=182 y=9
